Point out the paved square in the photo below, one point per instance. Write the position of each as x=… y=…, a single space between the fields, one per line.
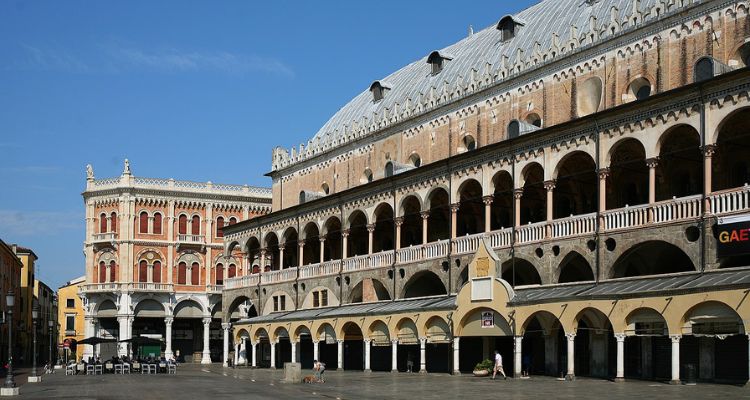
x=215 y=382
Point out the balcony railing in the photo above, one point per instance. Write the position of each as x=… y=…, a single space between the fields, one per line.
x=214 y=288
x=101 y=287
x=629 y=217
x=151 y=287
x=105 y=237
x=191 y=239
x=282 y=275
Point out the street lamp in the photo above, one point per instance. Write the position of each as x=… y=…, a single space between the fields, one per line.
x=34 y=377
x=51 y=328
x=10 y=384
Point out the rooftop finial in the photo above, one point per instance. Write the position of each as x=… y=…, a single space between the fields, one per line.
x=471 y=30
x=126 y=171
x=89 y=172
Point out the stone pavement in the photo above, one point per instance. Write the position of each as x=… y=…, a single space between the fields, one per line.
x=214 y=382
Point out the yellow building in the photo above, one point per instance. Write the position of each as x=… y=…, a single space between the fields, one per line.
x=25 y=298
x=70 y=317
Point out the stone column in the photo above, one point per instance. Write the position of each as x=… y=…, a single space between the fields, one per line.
x=344 y=243
x=517 y=352
x=456 y=369
x=339 y=354
x=708 y=154
x=517 y=194
x=425 y=216
x=273 y=355
x=571 y=356
x=168 y=325
x=262 y=260
x=422 y=355
x=550 y=187
x=620 y=374
x=206 y=357
x=236 y=354
x=90 y=329
x=301 y=255
x=367 y=355
x=454 y=219
x=316 y=350
x=294 y=351
x=603 y=174
x=394 y=355
x=487 y=212
x=652 y=163
x=398 y=222
x=281 y=257
x=675 y=359
x=225 y=360
x=122 y=348
x=254 y=355
x=370 y=234
x=322 y=249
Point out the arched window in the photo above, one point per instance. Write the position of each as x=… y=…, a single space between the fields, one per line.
x=195 y=274
x=102 y=272
x=113 y=221
x=182 y=225
x=156 y=278
x=112 y=271
x=103 y=223
x=157 y=223
x=143 y=271
x=415 y=160
x=220 y=274
x=366 y=176
x=219 y=225
x=195 y=226
x=143 y=222
x=324 y=188
x=232 y=221
x=182 y=274
x=232 y=271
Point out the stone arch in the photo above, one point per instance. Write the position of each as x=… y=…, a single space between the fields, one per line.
x=534 y=198
x=470 y=218
x=369 y=290
x=189 y=308
x=350 y=330
x=358 y=236
x=411 y=197
x=712 y=317
x=383 y=237
x=546 y=320
x=240 y=307
x=522 y=273
x=422 y=284
x=379 y=333
x=289 y=301
x=437 y=330
x=309 y=299
x=290 y=238
x=280 y=333
x=326 y=333
x=241 y=335
x=593 y=317
x=628 y=174
x=679 y=171
x=149 y=308
x=106 y=309
x=301 y=330
x=437 y=190
x=652 y=257
x=471 y=324
x=501 y=209
x=731 y=162
x=437 y=203
x=407 y=331
x=643 y=321
x=574 y=268
x=576 y=183
x=261 y=335
x=589 y=96
x=332 y=246
x=273 y=254
x=411 y=223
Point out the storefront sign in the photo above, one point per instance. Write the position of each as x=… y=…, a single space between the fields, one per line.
x=733 y=234
x=488 y=319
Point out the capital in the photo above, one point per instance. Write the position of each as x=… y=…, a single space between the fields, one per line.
x=517 y=193
x=301 y=243
x=455 y=207
x=603 y=173
x=487 y=200
x=322 y=238
x=652 y=162
x=206 y=320
x=168 y=320
x=370 y=228
x=424 y=214
x=345 y=233
x=550 y=185
x=620 y=337
x=709 y=150
x=226 y=326
x=570 y=336
x=394 y=342
x=675 y=338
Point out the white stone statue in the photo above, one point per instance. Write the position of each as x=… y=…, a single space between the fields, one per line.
x=126 y=171
x=89 y=171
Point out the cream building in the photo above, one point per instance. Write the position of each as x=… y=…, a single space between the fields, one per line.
x=154 y=261
x=568 y=186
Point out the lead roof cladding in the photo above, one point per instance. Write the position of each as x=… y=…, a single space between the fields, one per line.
x=540 y=22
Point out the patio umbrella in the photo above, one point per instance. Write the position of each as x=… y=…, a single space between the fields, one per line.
x=141 y=341
x=96 y=340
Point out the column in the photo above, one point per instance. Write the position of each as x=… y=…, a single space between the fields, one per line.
x=675 y=359
x=301 y=255
x=168 y=350
x=425 y=216
x=89 y=321
x=571 y=356
x=316 y=350
x=339 y=354
x=273 y=355
x=517 y=194
x=603 y=174
x=367 y=355
x=394 y=355
x=748 y=352
x=254 y=356
x=398 y=222
x=206 y=357
x=549 y=186
x=708 y=154
x=454 y=219
x=294 y=351
x=422 y=355
x=370 y=232
x=456 y=370
x=281 y=257
x=262 y=260
x=122 y=348
x=487 y=212
x=517 y=352
x=652 y=163
x=225 y=360
x=620 y=375
x=322 y=249
x=236 y=354
x=344 y=243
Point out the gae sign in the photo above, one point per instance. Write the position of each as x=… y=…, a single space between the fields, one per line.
x=733 y=234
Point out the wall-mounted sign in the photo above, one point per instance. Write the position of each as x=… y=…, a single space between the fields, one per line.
x=488 y=319
x=733 y=236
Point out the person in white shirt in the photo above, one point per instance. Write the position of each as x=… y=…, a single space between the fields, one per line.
x=498 y=365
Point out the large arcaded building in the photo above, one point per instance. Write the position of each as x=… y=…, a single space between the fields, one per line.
x=155 y=265
x=568 y=186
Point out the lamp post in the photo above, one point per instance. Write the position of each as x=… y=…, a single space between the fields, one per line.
x=9 y=389
x=34 y=377
x=51 y=326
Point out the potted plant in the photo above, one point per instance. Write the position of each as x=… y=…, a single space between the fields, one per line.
x=483 y=368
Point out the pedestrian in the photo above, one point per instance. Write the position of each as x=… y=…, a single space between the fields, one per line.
x=526 y=365
x=498 y=365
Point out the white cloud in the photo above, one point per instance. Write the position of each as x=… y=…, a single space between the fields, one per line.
x=14 y=223
x=51 y=59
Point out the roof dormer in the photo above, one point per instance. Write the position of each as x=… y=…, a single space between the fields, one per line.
x=509 y=27
x=437 y=60
x=378 y=89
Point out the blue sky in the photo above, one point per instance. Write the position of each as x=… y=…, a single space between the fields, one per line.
x=184 y=89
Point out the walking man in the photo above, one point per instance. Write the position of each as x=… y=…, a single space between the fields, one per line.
x=498 y=365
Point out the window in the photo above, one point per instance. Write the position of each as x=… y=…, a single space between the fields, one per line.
x=182 y=225
x=589 y=96
x=195 y=226
x=415 y=160
x=157 y=224
x=70 y=323
x=195 y=274
x=103 y=223
x=70 y=303
x=366 y=176
x=508 y=26
x=283 y=302
x=219 y=274
x=143 y=271
x=320 y=298
x=219 y=225
x=232 y=221
x=182 y=273
x=279 y=303
x=113 y=218
x=156 y=272
x=316 y=300
x=324 y=188
x=232 y=272
x=143 y=222
x=436 y=61
x=102 y=272
x=276 y=303
x=378 y=89
x=112 y=271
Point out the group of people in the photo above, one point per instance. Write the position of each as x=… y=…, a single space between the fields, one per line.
x=526 y=364
x=122 y=360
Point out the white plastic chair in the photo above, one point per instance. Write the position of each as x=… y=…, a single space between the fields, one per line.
x=98 y=369
x=125 y=368
x=118 y=368
x=172 y=368
x=89 y=370
x=70 y=369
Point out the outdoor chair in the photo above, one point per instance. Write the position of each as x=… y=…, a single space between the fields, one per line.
x=80 y=369
x=90 y=369
x=98 y=369
x=118 y=368
x=136 y=367
x=125 y=368
x=145 y=369
x=70 y=369
x=171 y=368
x=153 y=369
x=162 y=367
x=108 y=367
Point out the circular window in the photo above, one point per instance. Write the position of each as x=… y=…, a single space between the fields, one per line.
x=692 y=233
x=611 y=244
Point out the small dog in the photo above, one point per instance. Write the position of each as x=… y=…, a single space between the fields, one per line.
x=309 y=379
